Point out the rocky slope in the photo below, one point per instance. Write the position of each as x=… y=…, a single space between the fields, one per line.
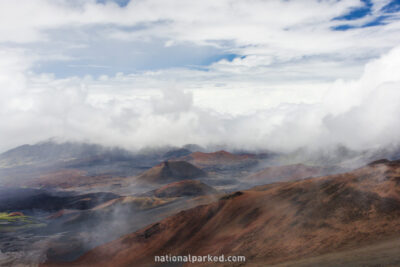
x=220 y=160
x=171 y=171
x=183 y=188
x=272 y=224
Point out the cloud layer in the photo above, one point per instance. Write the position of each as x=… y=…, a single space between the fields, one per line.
x=259 y=75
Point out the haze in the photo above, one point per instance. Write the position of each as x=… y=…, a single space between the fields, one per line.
x=277 y=75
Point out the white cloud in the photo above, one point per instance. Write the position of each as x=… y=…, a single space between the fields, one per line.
x=360 y=114
x=295 y=83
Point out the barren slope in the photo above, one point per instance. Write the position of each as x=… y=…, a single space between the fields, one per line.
x=220 y=160
x=171 y=171
x=274 y=223
x=183 y=188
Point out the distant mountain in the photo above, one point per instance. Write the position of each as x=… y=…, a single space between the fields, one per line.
x=220 y=160
x=51 y=152
x=171 y=171
x=193 y=147
x=81 y=155
x=175 y=153
x=69 y=165
x=183 y=188
x=287 y=173
x=89 y=157
x=276 y=223
x=339 y=156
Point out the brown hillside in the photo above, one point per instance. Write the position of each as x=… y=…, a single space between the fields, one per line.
x=285 y=173
x=273 y=223
x=171 y=171
x=183 y=188
x=219 y=159
x=72 y=179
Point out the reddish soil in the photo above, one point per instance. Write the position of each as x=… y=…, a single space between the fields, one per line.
x=183 y=188
x=285 y=173
x=171 y=171
x=271 y=224
x=219 y=158
x=71 y=178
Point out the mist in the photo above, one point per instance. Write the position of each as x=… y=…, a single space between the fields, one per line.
x=360 y=114
x=136 y=76
x=131 y=129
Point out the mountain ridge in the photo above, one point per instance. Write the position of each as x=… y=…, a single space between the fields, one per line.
x=273 y=223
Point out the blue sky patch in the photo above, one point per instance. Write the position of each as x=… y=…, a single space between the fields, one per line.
x=110 y=57
x=392 y=7
x=358 y=12
x=343 y=27
x=376 y=22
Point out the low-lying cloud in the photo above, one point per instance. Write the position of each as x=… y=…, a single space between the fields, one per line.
x=280 y=78
x=360 y=114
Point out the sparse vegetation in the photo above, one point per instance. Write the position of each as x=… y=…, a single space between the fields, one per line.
x=9 y=217
x=13 y=221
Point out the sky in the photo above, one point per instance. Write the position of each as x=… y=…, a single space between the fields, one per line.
x=254 y=74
